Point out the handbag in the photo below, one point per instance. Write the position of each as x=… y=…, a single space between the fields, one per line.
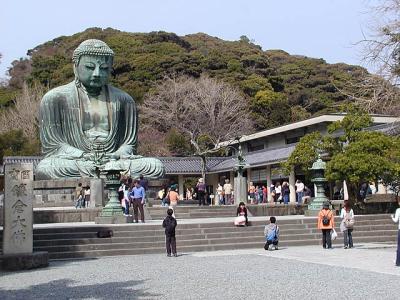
x=333 y=234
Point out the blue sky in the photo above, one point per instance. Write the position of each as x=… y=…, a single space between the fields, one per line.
x=325 y=29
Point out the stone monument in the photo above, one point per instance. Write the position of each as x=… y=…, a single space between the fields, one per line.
x=240 y=182
x=18 y=220
x=87 y=121
x=318 y=173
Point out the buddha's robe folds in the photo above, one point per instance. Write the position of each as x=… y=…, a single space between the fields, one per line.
x=64 y=141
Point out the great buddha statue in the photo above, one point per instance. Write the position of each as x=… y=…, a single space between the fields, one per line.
x=87 y=119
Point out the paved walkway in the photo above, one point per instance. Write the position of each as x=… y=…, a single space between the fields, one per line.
x=367 y=271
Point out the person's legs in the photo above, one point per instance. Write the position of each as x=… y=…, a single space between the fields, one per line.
x=126 y=207
x=345 y=238
x=168 y=244
x=140 y=205
x=398 y=249
x=328 y=238
x=286 y=198
x=266 y=246
x=324 y=238
x=173 y=245
x=299 y=197
x=350 y=231
x=135 y=210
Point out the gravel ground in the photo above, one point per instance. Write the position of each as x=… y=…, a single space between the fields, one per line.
x=242 y=274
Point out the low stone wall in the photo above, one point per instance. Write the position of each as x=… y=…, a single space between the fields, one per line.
x=56 y=193
x=276 y=209
x=377 y=204
x=65 y=215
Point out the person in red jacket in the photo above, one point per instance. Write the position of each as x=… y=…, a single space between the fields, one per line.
x=326 y=222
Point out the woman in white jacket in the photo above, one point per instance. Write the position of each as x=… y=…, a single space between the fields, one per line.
x=346 y=226
x=396 y=218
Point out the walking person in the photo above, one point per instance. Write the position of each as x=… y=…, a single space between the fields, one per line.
x=169 y=224
x=271 y=233
x=347 y=224
x=201 y=191
x=396 y=219
x=326 y=223
x=138 y=199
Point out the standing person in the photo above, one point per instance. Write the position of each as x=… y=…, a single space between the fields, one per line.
x=227 y=192
x=79 y=195
x=87 y=197
x=396 y=219
x=126 y=199
x=307 y=195
x=241 y=215
x=278 y=195
x=299 y=191
x=173 y=198
x=264 y=194
x=188 y=194
x=285 y=191
x=145 y=184
x=326 y=223
x=271 y=233
x=138 y=196
x=260 y=194
x=346 y=226
x=169 y=224
x=220 y=194
x=251 y=191
x=201 y=191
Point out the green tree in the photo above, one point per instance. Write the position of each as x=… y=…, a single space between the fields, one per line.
x=15 y=143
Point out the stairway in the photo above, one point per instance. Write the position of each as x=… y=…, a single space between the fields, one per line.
x=78 y=242
x=194 y=212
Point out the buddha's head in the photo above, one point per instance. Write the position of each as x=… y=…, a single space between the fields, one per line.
x=92 y=64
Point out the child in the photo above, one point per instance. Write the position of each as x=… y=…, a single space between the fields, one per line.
x=271 y=233
x=169 y=224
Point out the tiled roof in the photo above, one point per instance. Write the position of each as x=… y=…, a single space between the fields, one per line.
x=255 y=159
x=390 y=128
x=188 y=165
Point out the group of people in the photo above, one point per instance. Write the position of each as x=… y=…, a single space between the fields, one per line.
x=225 y=193
x=82 y=196
x=132 y=192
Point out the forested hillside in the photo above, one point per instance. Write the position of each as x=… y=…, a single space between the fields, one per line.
x=279 y=87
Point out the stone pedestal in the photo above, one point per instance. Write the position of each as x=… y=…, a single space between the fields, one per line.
x=114 y=219
x=96 y=192
x=240 y=189
x=28 y=261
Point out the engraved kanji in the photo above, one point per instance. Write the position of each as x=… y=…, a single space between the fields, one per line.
x=18 y=207
x=25 y=174
x=14 y=174
x=18 y=236
x=19 y=190
x=18 y=223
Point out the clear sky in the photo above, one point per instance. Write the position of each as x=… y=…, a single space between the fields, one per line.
x=324 y=29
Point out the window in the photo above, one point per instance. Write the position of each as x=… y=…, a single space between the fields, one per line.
x=255 y=145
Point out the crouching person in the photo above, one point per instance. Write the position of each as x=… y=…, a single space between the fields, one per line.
x=271 y=233
x=169 y=224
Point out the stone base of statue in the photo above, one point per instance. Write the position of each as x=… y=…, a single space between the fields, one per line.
x=117 y=219
x=15 y=262
x=240 y=189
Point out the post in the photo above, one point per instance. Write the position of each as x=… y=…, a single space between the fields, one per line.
x=292 y=181
x=269 y=182
x=180 y=187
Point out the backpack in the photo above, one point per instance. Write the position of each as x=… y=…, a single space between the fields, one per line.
x=326 y=220
x=271 y=235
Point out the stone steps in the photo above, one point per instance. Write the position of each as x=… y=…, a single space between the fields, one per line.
x=81 y=241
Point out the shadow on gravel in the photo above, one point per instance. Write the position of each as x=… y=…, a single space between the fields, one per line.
x=67 y=289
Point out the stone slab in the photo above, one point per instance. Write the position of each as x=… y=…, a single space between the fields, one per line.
x=18 y=209
x=96 y=193
x=15 y=262
x=114 y=220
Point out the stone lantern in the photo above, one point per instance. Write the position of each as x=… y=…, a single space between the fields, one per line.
x=318 y=178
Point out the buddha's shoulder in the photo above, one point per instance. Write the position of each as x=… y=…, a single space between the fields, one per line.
x=120 y=94
x=59 y=93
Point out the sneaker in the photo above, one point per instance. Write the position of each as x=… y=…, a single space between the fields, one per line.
x=276 y=247
x=345 y=247
x=168 y=255
x=175 y=254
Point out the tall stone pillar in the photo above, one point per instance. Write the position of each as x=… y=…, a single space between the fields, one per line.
x=96 y=193
x=292 y=181
x=269 y=182
x=180 y=186
x=18 y=220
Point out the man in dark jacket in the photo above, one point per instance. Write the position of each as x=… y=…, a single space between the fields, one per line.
x=169 y=224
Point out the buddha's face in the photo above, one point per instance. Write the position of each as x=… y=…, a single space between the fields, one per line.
x=93 y=71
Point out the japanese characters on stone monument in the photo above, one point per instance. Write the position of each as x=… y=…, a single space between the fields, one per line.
x=18 y=211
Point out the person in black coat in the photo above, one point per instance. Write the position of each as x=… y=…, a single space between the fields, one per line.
x=169 y=224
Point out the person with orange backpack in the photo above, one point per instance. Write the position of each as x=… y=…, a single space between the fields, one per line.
x=326 y=223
